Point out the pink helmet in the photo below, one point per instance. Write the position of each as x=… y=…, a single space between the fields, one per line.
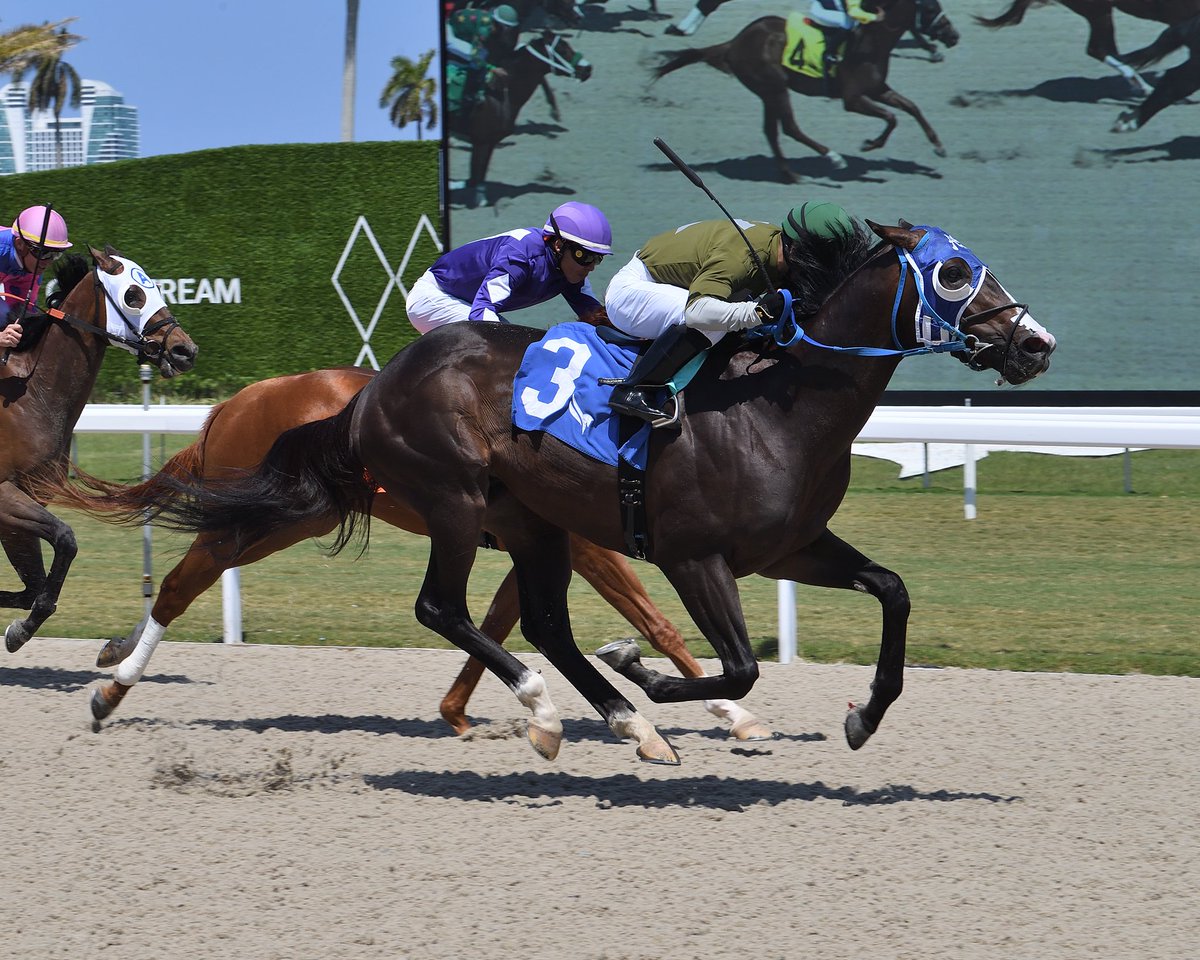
x=30 y=221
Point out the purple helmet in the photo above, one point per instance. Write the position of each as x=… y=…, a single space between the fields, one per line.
x=581 y=223
x=29 y=223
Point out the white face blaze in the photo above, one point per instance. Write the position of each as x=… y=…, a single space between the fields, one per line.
x=129 y=321
x=1029 y=323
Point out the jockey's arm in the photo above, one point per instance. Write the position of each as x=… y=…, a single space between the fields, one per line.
x=496 y=289
x=858 y=14
x=713 y=313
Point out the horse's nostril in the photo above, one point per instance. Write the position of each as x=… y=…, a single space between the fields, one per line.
x=1035 y=345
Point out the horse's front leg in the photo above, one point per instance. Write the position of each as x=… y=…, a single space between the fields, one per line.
x=551 y=100
x=25 y=519
x=24 y=552
x=901 y=102
x=709 y=592
x=611 y=576
x=831 y=562
x=542 y=559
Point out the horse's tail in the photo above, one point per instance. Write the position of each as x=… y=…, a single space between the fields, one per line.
x=1012 y=16
x=713 y=56
x=311 y=472
x=116 y=502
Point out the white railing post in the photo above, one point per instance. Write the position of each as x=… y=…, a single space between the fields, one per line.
x=787 y=620
x=231 y=605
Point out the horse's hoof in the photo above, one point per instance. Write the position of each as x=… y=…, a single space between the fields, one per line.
x=620 y=654
x=106 y=699
x=16 y=636
x=545 y=742
x=939 y=150
x=1126 y=123
x=110 y=653
x=658 y=750
x=455 y=719
x=753 y=729
x=937 y=56
x=858 y=731
x=836 y=160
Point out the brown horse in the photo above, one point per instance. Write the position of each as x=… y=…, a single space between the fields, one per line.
x=755 y=57
x=495 y=117
x=237 y=434
x=1102 y=38
x=1179 y=82
x=43 y=390
x=748 y=485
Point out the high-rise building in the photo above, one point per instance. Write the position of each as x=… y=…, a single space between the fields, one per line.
x=105 y=130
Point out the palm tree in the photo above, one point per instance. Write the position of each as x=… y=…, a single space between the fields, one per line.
x=410 y=95
x=55 y=84
x=20 y=47
x=348 y=69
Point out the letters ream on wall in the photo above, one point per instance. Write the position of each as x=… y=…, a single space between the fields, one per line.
x=188 y=290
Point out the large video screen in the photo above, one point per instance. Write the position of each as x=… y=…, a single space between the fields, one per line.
x=1094 y=229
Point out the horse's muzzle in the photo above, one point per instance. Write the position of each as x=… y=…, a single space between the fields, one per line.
x=180 y=358
x=1028 y=359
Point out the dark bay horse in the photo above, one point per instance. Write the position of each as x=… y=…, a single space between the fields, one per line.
x=236 y=435
x=748 y=485
x=1176 y=84
x=43 y=390
x=495 y=117
x=755 y=58
x=1102 y=38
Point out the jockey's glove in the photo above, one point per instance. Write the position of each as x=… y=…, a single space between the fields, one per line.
x=770 y=306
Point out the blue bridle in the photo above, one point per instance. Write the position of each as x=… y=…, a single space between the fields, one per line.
x=939 y=310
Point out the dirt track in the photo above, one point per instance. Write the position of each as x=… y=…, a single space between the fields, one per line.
x=1092 y=228
x=274 y=802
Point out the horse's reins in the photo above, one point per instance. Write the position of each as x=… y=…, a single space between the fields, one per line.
x=146 y=350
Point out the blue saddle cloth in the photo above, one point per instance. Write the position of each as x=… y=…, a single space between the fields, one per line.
x=556 y=392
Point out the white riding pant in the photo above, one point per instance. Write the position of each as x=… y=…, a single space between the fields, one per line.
x=429 y=306
x=820 y=14
x=639 y=305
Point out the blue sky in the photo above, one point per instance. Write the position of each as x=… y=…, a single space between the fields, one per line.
x=215 y=73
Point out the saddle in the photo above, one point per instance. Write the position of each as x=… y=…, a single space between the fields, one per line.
x=804 y=48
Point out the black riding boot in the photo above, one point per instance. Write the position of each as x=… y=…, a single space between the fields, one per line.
x=670 y=351
x=835 y=41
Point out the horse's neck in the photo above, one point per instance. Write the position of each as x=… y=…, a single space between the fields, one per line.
x=64 y=368
x=525 y=81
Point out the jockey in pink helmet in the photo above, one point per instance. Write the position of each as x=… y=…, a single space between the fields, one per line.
x=37 y=237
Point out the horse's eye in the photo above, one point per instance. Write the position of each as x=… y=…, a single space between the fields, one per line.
x=135 y=297
x=955 y=273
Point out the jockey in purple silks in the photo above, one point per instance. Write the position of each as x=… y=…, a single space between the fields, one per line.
x=23 y=254
x=485 y=279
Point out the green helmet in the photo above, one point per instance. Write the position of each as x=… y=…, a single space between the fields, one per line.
x=821 y=219
x=506 y=15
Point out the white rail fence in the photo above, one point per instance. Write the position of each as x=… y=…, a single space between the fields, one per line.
x=1120 y=428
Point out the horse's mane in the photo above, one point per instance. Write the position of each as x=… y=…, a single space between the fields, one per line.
x=68 y=271
x=819 y=265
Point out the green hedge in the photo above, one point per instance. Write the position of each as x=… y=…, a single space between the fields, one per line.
x=277 y=218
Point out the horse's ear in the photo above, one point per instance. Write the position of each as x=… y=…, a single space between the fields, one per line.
x=898 y=236
x=905 y=224
x=103 y=259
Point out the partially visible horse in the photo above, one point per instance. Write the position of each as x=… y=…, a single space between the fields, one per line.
x=43 y=390
x=1102 y=40
x=495 y=117
x=1179 y=82
x=755 y=58
x=236 y=435
x=748 y=485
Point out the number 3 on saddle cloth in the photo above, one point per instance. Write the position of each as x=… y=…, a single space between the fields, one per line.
x=558 y=390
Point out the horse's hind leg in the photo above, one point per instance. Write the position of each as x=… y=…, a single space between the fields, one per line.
x=831 y=562
x=501 y=617
x=900 y=102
